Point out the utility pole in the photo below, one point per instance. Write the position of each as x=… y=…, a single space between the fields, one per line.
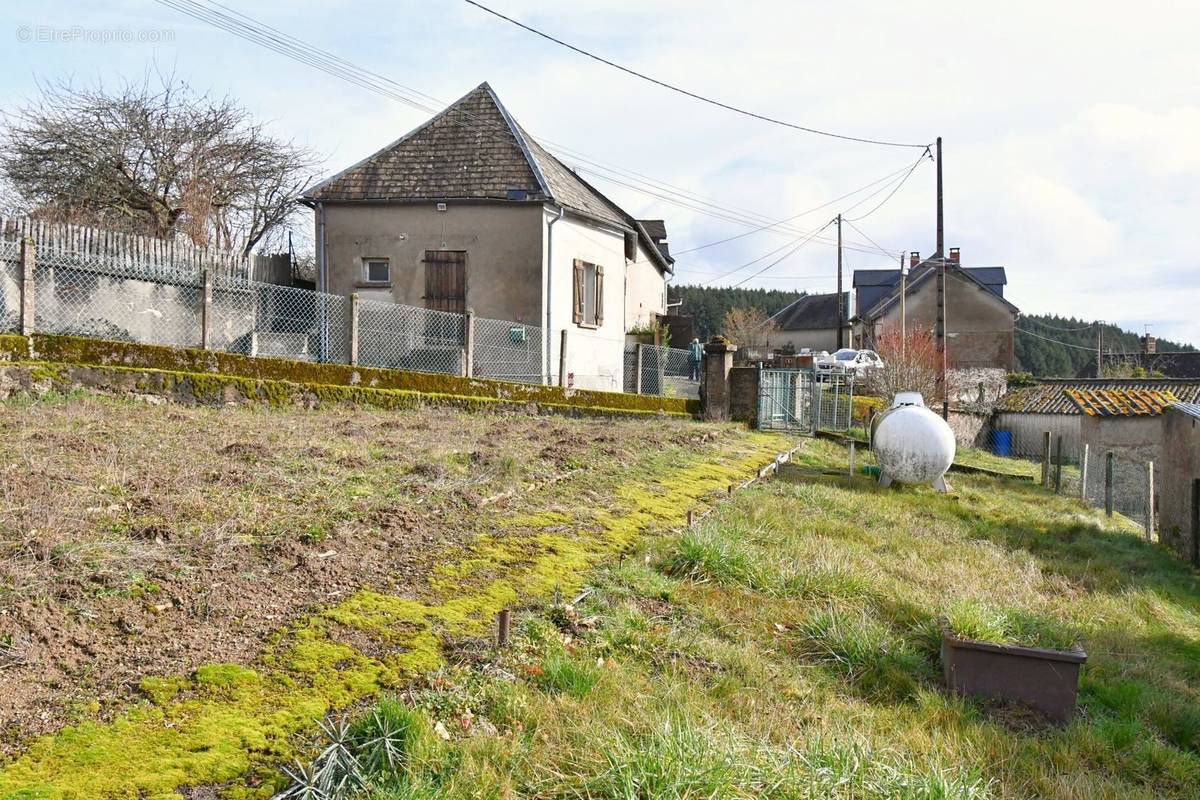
x=903 y=314
x=940 y=256
x=841 y=306
x=1099 y=348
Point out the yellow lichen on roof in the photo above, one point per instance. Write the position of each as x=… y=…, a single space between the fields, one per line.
x=1120 y=402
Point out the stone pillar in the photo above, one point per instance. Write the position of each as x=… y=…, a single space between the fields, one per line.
x=714 y=389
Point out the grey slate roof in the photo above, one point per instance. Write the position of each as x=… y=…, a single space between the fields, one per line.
x=1050 y=396
x=656 y=228
x=473 y=150
x=878 y=288
x=812 y=312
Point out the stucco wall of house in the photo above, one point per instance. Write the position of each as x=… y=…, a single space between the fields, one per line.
x=503 y=243
x=1178 y=472
x=595 y=356
x=979 y=327
x=645 y=292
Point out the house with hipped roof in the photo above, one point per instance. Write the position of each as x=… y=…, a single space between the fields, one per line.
x=468 y=211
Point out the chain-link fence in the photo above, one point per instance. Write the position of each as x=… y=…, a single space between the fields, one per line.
x=669 y=372
x=833 y=400
x=507 y=351
x=83 y=295
x=1070 y=467
x=406 y=337
x=10 y=286
x=663 y=371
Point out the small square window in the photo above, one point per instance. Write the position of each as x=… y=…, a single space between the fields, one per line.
x=377 y=270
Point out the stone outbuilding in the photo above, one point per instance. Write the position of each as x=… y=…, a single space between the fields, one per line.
x=1179 y=492
x=1128 y=424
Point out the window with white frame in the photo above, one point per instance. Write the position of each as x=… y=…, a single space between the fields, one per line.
x=376 y=270
x=588 y=294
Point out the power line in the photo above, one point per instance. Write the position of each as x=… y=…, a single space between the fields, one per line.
x=776 y=261
x=794 y=216
x=768 y=254
x=891 y=194
x=868 y=238
x=686 y=92
x=271 y=38
x=1055 y=341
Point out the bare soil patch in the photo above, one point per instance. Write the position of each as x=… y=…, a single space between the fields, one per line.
x=141 y=540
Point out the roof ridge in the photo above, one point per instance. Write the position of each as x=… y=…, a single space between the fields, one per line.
x=311 y=193
x=522 y=140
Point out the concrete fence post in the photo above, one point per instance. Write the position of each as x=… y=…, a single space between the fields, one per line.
x=1058 y=464
x=562 y=360
x=638 y=379
x=1149 y=500
x=1046 y=436
x=206 y=309
x=469 y=344
x=1108 y=483
x=354 y=329
x=715 y=390
x=28 y=258
x=852 y=459
x=1083 y=475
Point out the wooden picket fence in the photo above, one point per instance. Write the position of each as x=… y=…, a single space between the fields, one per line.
x=129 y=251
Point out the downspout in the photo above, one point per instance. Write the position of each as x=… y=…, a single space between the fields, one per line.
x=321 y=281
x=548 y=333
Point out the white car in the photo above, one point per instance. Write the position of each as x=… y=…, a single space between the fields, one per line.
x=850 y=360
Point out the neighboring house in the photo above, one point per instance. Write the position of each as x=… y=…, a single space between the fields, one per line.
x=1026 y=412
x=1128 y=424
x=980 y=323
x=470 y=212
x=810 y=322
x=1179 y=493
x=1149 y=362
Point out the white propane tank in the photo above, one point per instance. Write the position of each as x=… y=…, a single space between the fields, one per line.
x=912 y=444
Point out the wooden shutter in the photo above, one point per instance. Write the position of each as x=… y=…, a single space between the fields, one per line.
x=599 y=295
x=577 y=300
x=446 y=280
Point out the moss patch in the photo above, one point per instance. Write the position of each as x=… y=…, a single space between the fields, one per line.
x=76 y=350
x=228 y=723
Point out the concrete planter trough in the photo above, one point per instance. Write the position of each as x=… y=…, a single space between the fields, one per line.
x=1044 y=680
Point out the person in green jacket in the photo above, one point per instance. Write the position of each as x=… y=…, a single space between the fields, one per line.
x=695 y=354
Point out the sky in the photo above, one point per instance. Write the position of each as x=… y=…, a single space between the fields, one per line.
x=1070 y=129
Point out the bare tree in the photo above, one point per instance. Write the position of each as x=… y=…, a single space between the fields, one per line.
x=153 y=157
x=911 y=363
x=748 y=328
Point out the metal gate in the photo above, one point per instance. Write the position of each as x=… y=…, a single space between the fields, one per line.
x=785 y=400
x=805 y=400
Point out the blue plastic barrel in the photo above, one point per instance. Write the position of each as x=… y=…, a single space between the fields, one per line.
x=1002 y=443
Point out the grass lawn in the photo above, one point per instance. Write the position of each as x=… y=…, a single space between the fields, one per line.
x=786 y=647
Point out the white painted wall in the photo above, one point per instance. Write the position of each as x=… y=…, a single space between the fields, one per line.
x=595 y=356
x=645 y=290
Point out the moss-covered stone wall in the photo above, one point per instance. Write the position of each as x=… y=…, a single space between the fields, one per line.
x=345 y=382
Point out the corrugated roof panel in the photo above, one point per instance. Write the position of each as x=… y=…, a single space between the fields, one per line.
x=1191 y=409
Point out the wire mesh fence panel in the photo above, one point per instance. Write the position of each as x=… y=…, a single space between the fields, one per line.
x=297 y=323
x=83 y=295
x=10 y=286
x=669 y=372
x=507 y=351
x=833 y=401
x=404 y=337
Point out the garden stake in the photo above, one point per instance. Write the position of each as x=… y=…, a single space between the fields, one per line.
x=503 y=620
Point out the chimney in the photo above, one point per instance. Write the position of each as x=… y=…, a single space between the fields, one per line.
x=1149 y=345
x=914 y=258
x=954 y=259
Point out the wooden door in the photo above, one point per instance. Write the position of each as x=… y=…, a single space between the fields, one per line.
x=446 y=280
